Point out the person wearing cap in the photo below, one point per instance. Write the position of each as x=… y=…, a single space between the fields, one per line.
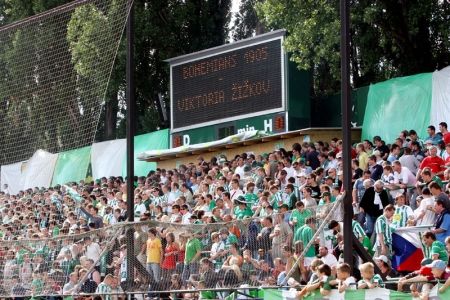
x=384 y=264
x=242 y=210
x=403 y=213
x=434 y=271
x=383 y=231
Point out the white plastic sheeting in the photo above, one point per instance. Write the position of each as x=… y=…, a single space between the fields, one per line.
x=243 y=136
x=440 y=104
x=107 y=158
x=39 y=170
x=12 y=176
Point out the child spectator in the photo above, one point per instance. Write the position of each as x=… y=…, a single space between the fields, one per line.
x=369 y=279
x=344 y=279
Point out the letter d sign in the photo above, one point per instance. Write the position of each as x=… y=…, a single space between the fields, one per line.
x=186 y=140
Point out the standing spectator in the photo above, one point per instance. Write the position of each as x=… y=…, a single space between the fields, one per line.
x=374 y=200
x=299 y=215
x=409 y=161
x=305 y=234
x=375 y=169
x=154 y=254
x=92 y=250
x=424 y=213
x=383 y=231
x=380 y=145
x=312 y=159
x=403 y=212
x=192 y=256
x=170 y=256
x=438 y=194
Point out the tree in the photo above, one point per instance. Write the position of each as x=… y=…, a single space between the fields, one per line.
x=247 y=23
x=388 y=38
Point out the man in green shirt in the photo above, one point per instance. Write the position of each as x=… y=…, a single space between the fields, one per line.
x=250 y=197
x=242 y=210
x=192 y=256
x=433 y=248
x=305 y=234
x=299 y=215
x=291 y=194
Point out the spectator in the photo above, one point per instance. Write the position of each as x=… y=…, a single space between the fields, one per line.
x=383 y=231
x=442 y=225
x=434 y=249
x=369 y=279
x=373 y=202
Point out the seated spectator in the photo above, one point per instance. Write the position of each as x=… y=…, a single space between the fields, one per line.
x=434 y=249
x=435 y=271
x=442 y=225
x=369 y=279
x=344 y=279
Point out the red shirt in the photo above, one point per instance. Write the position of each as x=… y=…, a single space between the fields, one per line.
x=446 y=138
x=169 y=262
x=434 y=163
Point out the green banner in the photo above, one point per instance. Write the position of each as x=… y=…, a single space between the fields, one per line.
x=72 y=166
x=158 y=140
x=398 y=104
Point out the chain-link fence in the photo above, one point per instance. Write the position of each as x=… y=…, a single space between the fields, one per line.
x=211 y=256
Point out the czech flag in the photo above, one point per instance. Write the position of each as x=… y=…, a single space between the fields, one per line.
x=408 y=253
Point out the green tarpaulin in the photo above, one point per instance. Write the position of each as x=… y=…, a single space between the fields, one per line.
x=72 y=166
x=398 y=104
x=157 y=140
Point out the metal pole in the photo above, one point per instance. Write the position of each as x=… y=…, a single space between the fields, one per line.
x=346 y=130
x=131 y=117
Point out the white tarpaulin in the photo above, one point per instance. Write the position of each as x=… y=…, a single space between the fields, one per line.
x=39 y=170
x=11 y=175
x=247 y=135
x=107 y=158
x=440 y=104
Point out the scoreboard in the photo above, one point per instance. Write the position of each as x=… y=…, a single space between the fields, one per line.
x=238 y=80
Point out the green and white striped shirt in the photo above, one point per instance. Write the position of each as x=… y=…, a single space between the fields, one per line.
x=357 y=229
x=382 y=226
x=401 y=215
x=375 y=279
x=104 y=290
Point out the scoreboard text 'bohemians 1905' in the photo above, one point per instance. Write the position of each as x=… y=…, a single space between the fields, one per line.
x=229 y=84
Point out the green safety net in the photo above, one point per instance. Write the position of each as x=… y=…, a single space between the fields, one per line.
x=158 y=140
x=398 y=104
x=72 y=165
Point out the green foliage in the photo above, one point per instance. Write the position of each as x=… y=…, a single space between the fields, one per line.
x=388 y=38
x=247 y=23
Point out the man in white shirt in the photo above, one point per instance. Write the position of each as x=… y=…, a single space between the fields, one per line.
x=327 y=258
x=424 y=213
x=240 y=167
x=92 y=249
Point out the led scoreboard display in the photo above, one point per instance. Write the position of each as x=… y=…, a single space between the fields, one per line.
x=227 y=83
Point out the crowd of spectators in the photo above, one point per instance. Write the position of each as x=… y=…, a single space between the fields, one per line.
x=237 y=220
